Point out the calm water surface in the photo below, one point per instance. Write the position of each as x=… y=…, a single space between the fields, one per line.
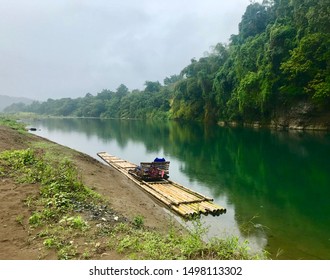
x=275 y=185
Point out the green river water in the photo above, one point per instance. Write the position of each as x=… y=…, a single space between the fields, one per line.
x=274 y=185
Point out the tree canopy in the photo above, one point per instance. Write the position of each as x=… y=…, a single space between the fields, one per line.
x=280 y=56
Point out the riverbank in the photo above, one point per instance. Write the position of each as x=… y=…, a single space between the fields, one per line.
x=110 y=218
x=121 y=194
x=302 y=116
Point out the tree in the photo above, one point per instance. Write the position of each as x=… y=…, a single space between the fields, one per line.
x=308 y=69
x=152 y=87
x=122 y=90
x=254 y=21
x=172 y=80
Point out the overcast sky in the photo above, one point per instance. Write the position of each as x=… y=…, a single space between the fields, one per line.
x=67 y=48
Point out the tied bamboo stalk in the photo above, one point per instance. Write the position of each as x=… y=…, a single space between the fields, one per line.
x=180 y=199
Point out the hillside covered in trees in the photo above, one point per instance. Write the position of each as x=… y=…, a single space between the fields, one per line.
x=275 y=70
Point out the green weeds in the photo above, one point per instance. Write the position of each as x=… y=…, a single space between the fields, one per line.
x=12 y=123
x=55 y=222
x=138 y=221
x=60 y=188
x=142 y=243
x=76 y=222
x=19 y=219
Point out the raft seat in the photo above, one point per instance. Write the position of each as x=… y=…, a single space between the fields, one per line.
x=162 y=165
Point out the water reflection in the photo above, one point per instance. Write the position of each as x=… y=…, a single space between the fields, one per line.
x=275 y=185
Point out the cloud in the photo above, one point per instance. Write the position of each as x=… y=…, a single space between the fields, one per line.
x=66 y=48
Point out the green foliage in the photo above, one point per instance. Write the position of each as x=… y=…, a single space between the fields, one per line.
x=21 y=164
x=308 y=68
x=61 y=190
x=11 y=122
x=279 y=56
x=147 y=244
x=51 y=242
x=138 y=221
x=36 y=219
x=76 y=222
x=19 y=219
x=19 y=158
x=254 y=21
x=67 y=252
x=60 y=184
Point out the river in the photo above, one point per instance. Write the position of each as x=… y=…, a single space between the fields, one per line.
x=275 y=185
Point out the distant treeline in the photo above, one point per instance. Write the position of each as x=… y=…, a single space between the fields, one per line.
x=280 y=57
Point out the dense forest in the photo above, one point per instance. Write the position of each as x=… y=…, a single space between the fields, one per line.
x=279 y=62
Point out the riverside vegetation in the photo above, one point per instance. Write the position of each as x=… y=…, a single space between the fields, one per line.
x=67 y=216
x=275 y=71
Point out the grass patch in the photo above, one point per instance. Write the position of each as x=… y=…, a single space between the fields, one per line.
x=138 y=221
x=12 y=123
x=61 y=190
x=147 y=244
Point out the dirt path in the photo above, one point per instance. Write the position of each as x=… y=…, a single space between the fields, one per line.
x=124 y=196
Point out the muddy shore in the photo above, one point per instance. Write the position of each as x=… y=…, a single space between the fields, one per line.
x=124 y=196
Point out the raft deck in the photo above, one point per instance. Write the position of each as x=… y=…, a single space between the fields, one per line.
x=180 y=199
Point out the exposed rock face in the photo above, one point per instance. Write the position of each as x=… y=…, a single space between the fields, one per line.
x=302 y=116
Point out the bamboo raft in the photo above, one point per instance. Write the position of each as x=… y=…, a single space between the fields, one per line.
x=180 y=199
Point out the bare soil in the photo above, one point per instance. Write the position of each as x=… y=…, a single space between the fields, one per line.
x=126 y=199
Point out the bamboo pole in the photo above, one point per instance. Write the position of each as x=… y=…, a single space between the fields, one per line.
x=181 y=195
x=170 y=191
x=180 y=199
x=190 y=191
